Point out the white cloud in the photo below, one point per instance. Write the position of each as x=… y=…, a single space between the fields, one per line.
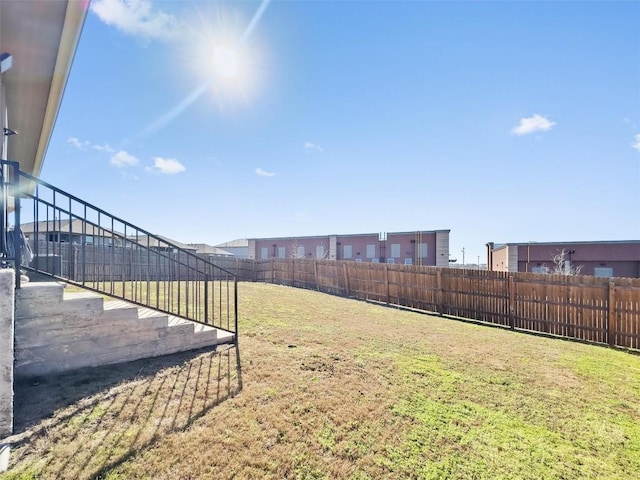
x=636 y=142
x=532 y=124
x=84 y=144
x=264 y=173
x=137 y=18
x=123 y=159
x=103 y=148
x=167 y=166
x=78 y=143
x=312 y=146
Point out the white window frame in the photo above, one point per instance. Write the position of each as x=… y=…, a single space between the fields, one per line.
x=282 y=252
x=320 y=251
x=423 y=250
x=540 y=269
x=358 y=260
x=375 y=260
x=408 y=261
x=603 y=272
x=391 y=260
x=371 y=251
x=347 y=251
x=264 y=253
x=395 y=250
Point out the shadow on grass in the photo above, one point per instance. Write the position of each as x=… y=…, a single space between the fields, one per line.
x=101 y=417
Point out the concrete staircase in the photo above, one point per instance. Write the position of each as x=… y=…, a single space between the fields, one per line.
x=58 y=331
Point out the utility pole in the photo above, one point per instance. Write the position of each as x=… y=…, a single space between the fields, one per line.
x=463 y=256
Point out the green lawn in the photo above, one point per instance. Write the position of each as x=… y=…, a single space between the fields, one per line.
x=335 y=388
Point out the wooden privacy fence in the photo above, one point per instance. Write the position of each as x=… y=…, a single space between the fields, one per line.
x=592 y=309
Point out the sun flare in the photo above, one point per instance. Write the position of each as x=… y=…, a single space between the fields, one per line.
x=225 y=62
x=225 y=55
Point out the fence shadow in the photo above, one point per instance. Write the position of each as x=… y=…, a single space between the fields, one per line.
x=97 y=418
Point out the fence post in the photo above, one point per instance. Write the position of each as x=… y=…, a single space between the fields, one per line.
x=611 y=315
x=512 y=302
x=315 y=274
x=386 y=281
x=346 y=279
x=293 y=272
x=439 y=293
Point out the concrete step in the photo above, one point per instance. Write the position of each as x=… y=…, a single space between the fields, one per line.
x=59 y=331
x=49 y=298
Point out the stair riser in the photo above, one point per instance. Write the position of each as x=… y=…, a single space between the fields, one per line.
x=62 y=333
x=53 y=364
x=86 y=306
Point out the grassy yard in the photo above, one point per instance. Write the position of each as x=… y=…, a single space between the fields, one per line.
x=329 y=388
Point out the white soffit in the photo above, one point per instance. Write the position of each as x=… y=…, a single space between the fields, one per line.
x=41 y=36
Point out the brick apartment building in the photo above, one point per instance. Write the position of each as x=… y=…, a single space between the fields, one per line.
x=409 y=248
x=601 y=259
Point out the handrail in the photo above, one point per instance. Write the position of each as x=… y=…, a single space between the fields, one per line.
x=75 y=241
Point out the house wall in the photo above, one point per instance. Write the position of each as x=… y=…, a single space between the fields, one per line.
x=238 y=252
x=442 y=248
x=500 y=260
x=7 y=308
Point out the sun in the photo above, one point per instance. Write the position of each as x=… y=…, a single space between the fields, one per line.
x=225 y=62
x=222 y=58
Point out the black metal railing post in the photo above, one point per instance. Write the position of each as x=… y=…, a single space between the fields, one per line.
x=206 y=297
x=235 y=308
x=4 y=212
x=17 y=240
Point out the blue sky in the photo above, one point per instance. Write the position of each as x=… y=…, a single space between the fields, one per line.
x=502 y=121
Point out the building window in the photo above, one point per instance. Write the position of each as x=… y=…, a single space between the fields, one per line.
x=541 y=269
x=55 y=237
x=264 y=253
x=423 y=250
x=358 y=260
x=408 y=261
x=395 y=250
x=347 y=251
x=371 y=251
x=320 y=251
x=603 y=272
x=390 y=260
x=375 y=260
x=282 y=252
x=300 y=251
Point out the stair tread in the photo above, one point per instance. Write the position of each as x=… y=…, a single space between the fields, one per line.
x=72 y=295
x=145 y=312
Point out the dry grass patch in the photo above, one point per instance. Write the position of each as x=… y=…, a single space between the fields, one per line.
x=334 y=388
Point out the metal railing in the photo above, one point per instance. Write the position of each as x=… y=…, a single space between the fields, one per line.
x=83 y=245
